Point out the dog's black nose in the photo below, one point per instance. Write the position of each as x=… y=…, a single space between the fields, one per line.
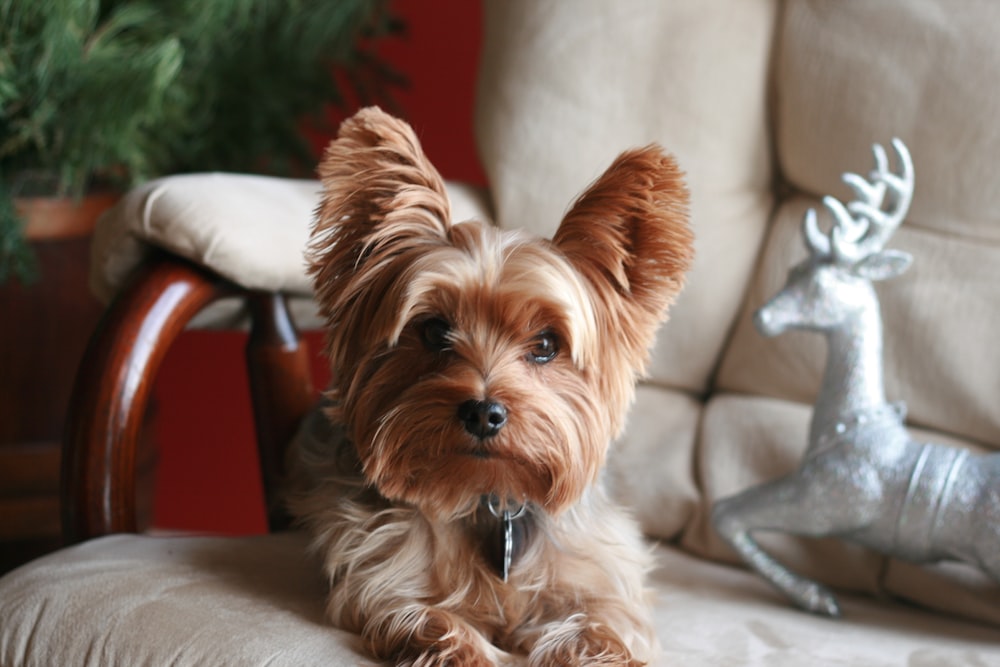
x=483 y=419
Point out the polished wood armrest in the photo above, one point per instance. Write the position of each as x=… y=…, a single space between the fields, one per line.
x=115 y=380
x=281 y=390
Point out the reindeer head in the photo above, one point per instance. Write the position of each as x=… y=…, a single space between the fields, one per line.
x=834 y=283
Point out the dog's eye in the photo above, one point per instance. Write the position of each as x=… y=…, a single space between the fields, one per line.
x=436 y=334
x=544 y=348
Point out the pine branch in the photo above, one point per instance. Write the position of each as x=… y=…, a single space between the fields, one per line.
x=127 y=90
x=16 y=258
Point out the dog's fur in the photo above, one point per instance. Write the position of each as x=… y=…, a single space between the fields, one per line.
x=423 y=315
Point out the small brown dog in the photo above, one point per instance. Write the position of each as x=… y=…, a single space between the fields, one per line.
x=478 y=378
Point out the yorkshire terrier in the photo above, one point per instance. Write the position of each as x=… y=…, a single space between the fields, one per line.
x=479 y=375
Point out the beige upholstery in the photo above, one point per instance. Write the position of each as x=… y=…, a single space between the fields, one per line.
x=765 y=103
x=258 y=601
x=250 y=230
x=807 y=86
x=594 y=78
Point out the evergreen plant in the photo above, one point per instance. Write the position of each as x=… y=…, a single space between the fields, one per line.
x=115 y=92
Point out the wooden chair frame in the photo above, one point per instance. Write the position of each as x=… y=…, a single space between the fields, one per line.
x=115 y=379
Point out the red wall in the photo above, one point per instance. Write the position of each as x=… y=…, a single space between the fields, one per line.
x=207 y=478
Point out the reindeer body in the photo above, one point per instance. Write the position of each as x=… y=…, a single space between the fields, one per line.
x=862 y=477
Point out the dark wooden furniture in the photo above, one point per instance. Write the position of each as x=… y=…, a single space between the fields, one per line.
x=114 y=382
x=45 y=324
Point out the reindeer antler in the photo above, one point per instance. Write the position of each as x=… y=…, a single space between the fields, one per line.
x=862 y=228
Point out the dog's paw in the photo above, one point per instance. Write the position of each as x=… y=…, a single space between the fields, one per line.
x=443 y=640
x=590 y=645
x=449 y=656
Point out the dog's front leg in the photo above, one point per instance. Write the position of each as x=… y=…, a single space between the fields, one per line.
x=417 y=635
x=386 y=586
x=597 y=610
x=598 y=635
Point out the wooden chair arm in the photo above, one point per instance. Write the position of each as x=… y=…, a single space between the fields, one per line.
x=112 y=390
x=115 y=379
x=281 y=390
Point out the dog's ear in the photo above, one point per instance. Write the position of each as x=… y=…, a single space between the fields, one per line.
x=380 y=194
x=628 y=236
x=382 y=204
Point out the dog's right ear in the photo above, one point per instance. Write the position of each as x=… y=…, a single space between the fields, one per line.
x=383 y=204
x=380 y=193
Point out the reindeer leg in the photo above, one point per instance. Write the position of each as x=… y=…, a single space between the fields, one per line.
x=785 y=505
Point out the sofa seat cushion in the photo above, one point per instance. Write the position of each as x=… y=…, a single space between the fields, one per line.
x=141 y=600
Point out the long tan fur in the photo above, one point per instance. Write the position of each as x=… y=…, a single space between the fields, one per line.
x=423 y=315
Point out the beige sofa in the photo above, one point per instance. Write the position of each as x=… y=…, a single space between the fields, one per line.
x=765 y=104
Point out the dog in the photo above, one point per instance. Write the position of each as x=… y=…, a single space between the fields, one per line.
x=453 y=489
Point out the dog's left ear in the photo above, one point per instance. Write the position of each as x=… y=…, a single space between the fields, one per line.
x=628 y=236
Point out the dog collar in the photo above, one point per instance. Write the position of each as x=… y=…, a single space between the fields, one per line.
x=507 y=540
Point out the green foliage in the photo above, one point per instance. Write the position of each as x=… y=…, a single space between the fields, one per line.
x=120 y=91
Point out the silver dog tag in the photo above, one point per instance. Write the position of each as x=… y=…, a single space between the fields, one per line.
x=508 y=544
x=510 y=535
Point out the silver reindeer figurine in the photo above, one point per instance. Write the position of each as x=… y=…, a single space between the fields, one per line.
x=862 y=478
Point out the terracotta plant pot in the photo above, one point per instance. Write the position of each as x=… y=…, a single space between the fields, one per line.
x=62 y=218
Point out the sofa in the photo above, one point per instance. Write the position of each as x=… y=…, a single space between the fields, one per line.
x=765 y=103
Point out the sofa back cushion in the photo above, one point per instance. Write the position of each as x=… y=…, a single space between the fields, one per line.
x=766 y=104
x=848 y=75
x=566 y=86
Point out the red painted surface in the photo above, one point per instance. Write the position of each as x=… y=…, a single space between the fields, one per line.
x=203 y=404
